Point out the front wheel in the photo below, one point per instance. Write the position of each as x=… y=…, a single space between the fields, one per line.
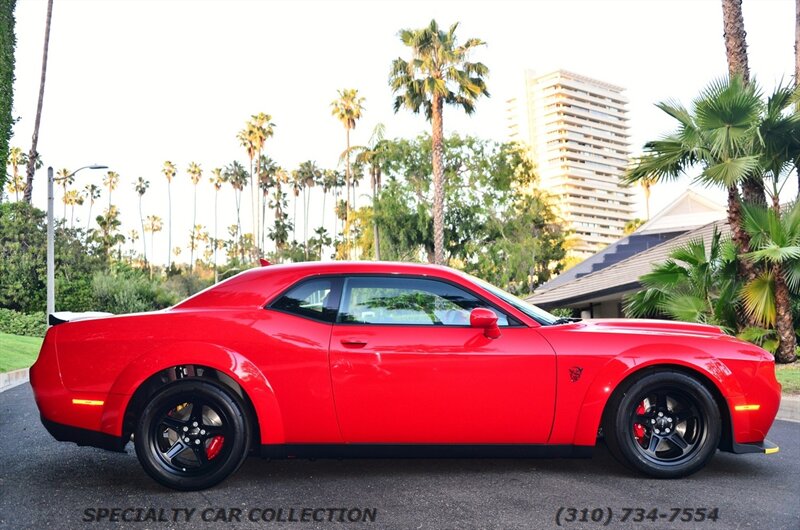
x=192 y=435
x=665 y=424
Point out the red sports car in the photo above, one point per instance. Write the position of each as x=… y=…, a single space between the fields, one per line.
x=394 y=360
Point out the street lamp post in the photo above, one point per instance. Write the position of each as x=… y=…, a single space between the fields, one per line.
x=51 y=261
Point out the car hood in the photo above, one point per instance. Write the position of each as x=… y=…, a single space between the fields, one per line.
x=649 y=326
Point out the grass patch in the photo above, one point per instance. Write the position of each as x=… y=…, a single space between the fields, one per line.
x=789 y=377
x=17 y=351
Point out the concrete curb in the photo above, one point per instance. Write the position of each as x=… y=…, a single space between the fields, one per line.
x=790 y=408
x=13 y=378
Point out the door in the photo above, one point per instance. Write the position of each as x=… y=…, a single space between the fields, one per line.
x=406 y=367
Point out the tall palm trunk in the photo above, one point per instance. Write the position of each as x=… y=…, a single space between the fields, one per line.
x=438 y=181
x=216 y=274
x=144 y=240
x=307 y=207
x=376 y=188
x=33 y=155
x=797 y=65
x=194 y=222
x=322 y=222
x=278 y=213
x=783 y=319
x=89 y=217
x=169 y=223
x=347 y=196
x=753 y=187
x=254 y=210
x=736 y=52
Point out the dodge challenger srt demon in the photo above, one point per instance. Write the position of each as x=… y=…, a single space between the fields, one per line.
x=394 y=360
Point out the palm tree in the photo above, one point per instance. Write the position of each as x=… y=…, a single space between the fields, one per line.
x=374 y=155
x=235 y=174
x=733 y=135
x=347 y=108
x=217 y=181
x=264 y=129
x=267 y=170
x=133 y=237
x=111 y=181
x=65 y=177
x=308 y=174
x=92 y=192
x=141 y=186
x=195 y=174
x=109 y=224
x=252 y=138
x=717 y=134
x=16 y=158
x=280 y=229
x=330 y=180
x=438 y=73
x=72 y=198
x=647 y=183
x=318 y=242
x=297 y=185
x=33 y=155
x=768 y=297
x=694 y=285
x=169 y=171
x=153 y=224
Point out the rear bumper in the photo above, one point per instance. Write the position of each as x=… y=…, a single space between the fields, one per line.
x=765 y=447
x=85 y=437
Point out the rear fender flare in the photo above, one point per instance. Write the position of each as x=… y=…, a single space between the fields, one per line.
x=240 y=369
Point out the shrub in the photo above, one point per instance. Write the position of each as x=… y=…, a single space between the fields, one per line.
x=128 y=292
x=27 y=324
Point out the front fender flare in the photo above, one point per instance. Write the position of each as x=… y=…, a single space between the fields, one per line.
x=639 y=358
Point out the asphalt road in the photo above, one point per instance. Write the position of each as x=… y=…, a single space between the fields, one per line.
x=47 y=485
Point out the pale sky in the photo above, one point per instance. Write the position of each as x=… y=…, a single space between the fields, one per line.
x=133 y=83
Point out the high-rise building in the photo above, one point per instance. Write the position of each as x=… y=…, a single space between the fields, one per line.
x=577 y=131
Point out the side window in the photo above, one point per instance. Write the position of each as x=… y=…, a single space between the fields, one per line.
x=411 y=301
x=311 y=299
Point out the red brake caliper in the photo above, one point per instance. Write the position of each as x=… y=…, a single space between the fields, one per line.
x=214 y=447
x=638 y=428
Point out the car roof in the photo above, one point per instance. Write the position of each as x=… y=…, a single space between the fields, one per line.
x=253 y=286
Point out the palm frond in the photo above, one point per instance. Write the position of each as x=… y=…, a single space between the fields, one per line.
x=644 y=303
x=666 y=275
x=758 y=298
x=685 y=307
x=730 y=172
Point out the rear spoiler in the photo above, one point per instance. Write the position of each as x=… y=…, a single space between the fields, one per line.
x=61 y=317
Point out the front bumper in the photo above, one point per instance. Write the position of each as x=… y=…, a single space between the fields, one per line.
x=766 y=447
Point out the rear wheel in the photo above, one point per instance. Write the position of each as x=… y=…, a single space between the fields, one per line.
x=192 y=435
x=665 y=424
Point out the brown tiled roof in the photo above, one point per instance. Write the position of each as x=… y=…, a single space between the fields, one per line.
x=623 y=275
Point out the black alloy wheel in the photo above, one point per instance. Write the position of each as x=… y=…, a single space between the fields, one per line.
x=192 y=435
x=665 y=424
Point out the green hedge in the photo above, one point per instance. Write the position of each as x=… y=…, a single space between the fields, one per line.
x=16 y=323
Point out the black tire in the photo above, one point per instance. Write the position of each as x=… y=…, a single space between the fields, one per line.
x=665 y=424
x=192 y=434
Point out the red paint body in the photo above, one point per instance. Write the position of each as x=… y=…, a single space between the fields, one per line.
x=314 y=382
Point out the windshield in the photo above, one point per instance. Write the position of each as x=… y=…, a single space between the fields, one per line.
x=539 y=315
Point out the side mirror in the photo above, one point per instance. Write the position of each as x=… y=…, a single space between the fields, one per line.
x=480 y=317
